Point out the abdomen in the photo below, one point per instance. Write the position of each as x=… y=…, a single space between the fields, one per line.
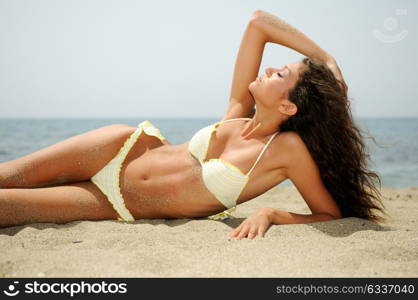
x=165 y=182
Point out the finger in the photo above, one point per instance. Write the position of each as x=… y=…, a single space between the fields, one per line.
x=238 y=229
x=235 y=231
x=262 y=230
x=252 y=234
x=243 y=232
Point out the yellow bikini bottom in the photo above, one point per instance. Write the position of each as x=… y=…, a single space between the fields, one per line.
x=107 y=179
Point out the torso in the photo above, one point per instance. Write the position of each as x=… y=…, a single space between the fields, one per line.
x=160 y=180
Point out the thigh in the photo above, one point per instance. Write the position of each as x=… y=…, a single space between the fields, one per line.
x=58 y=204
x=74 y=159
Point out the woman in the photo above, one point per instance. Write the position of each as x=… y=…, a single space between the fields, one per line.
x=301 y=129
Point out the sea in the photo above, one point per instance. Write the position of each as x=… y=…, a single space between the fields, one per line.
x=394 y=150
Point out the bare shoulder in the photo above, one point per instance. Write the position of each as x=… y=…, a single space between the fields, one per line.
x=289 y=147
x=291 y=139
x=300 y=167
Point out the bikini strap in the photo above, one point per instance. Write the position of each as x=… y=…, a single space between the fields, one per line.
x=262 y=151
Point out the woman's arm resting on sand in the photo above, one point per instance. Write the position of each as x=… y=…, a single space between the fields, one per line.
x=258 y=223
x=302 y=170
x=279 y=217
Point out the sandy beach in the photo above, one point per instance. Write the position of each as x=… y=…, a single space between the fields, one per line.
x=349 y=247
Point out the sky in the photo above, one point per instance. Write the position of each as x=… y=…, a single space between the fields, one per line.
x=175 y=59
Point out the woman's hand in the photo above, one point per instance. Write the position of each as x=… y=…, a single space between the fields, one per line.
x=333 y=66
x=254 y=225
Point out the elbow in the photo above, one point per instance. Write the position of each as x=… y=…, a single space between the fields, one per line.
x=257 y=23
x=255 y=17
x=257 y=13
x=335 y=216
x=327 y=216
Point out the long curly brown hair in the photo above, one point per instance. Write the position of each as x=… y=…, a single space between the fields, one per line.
x=325 y=124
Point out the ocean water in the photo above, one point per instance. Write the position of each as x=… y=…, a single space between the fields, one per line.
x=395 y=159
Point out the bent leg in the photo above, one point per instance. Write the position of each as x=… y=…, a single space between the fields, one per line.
x=59 y=204
x=74 y=159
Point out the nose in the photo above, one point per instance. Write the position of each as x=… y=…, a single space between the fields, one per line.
x=269 y=71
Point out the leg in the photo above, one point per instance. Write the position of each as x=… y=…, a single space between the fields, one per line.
x=72 y=160
x=59 y=204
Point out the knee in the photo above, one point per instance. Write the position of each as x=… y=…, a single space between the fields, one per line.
x=121 y=128
x=117 y=131
x=11 y=176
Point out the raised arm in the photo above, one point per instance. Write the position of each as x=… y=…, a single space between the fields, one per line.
x=278 y=31
x=265 y=28
x=247 y=65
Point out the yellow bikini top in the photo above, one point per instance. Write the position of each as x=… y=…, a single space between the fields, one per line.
x=224 y=180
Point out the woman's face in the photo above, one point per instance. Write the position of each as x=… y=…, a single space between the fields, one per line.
x=275 y=84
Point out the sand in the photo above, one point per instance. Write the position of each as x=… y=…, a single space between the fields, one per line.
x=349 y=247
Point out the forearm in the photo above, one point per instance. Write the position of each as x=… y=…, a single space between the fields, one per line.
x=279 y=217
x=278 y=31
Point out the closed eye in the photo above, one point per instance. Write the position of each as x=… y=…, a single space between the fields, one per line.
x=280 y=75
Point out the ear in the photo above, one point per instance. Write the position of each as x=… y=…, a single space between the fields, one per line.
x=287 y=107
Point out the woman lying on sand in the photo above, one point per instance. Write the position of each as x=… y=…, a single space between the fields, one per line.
x=300 y=129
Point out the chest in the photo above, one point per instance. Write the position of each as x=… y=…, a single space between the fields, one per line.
x=254 y=163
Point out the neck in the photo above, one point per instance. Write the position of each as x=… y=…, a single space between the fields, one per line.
x=263 y=124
